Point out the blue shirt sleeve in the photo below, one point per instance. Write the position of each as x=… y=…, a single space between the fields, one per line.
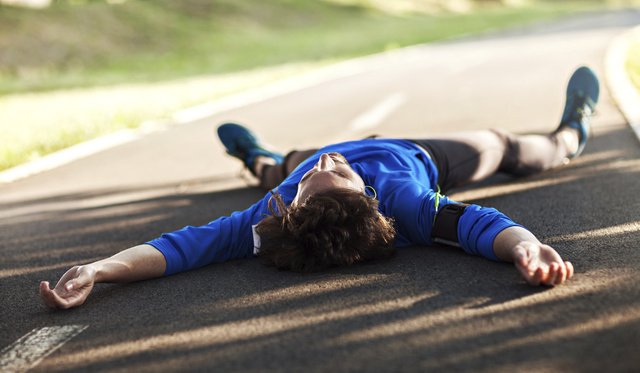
x=478 y=228
x=412 y=206
x=221 y=240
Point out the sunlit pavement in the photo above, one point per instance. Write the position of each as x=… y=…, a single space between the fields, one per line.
x=428 y=309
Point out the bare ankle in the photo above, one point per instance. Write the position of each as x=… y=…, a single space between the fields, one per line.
x=571 y=140
x=259 y=164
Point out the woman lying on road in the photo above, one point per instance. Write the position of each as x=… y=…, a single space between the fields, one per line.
x=358 y=201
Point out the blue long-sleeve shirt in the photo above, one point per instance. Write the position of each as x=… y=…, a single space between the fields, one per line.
x=404 y=178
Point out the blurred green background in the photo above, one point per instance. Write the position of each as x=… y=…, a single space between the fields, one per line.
x=75 y=69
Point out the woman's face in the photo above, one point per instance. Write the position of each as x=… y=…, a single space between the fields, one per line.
x=331 y=171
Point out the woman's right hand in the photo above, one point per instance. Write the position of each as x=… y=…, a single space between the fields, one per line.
x=72 y=289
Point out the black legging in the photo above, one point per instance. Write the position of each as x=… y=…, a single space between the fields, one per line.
x=464 y=157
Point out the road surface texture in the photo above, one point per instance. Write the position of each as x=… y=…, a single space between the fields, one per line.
x=427 y=309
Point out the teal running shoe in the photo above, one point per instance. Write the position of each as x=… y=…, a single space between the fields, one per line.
x=582 y=96
x=244 y=145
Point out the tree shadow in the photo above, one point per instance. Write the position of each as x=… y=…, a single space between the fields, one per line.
x=425 y=309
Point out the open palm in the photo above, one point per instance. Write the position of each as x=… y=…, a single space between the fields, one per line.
x=71 y=290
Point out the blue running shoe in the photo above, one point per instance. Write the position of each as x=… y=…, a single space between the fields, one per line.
x=582 y=96
x=244 y=145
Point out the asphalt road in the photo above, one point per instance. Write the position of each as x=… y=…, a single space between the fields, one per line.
x=428 y=309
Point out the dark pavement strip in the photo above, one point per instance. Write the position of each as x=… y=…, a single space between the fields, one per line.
x=432 y=309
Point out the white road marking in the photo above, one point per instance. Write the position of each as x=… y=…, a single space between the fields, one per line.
x=378 y=112
x=622 y=90
x=79 y=151
x=288 y=85
x=32 y=348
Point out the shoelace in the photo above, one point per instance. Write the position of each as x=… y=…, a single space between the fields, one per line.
x=243 y=143
x=583 y=104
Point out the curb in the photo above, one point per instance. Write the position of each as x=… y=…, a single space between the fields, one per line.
x=623 y=92
x=202 y=111
x=78 y=151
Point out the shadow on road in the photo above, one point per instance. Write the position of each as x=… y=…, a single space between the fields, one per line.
x=426 y=309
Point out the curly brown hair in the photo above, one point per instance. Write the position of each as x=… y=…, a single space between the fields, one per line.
x=331 y=228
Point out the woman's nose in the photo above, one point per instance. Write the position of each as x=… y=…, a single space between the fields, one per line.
x=326 y=163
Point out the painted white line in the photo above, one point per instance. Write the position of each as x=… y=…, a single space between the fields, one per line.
x=622 y=90
x=32 y=348
x=288 y=85
x=306 y=80
x=67 y=155
x=378 y=112
x=78 y=151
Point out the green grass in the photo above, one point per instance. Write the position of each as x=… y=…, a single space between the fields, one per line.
x=35 y=124
x=147 y=41
x=633 y=63
x=100 y=68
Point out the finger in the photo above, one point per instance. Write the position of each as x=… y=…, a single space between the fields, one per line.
x=525 y=272
x=569 y=269
x=52 y=299
x=82 y=279
x=44 y=287
x=537 y=276
x=67 y=299
x=552 y=275
x=48 y=296
x=562 y=274
x=70 y=285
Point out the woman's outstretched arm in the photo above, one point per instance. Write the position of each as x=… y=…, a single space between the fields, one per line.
x=537 y=263
x=137 y=263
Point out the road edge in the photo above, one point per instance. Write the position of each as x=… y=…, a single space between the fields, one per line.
x=198 y=112
x=622 y=90
x=624 y=93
